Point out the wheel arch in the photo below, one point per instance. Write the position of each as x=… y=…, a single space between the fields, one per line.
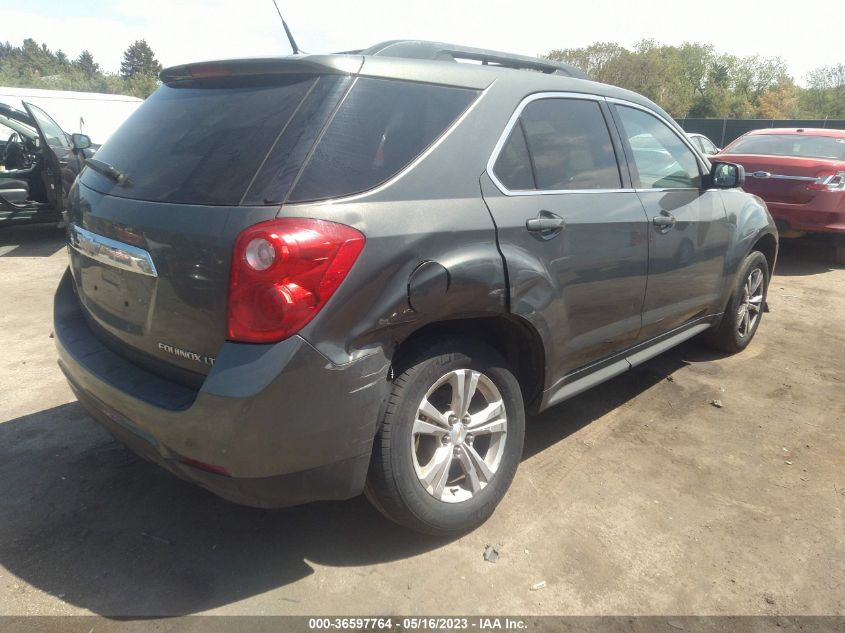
x=768 y=245
x=512 y=337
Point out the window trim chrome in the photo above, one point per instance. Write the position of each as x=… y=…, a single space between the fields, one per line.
x=503 y=138
x=111 y=252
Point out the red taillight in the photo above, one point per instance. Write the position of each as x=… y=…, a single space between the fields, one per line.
x=283 y=272
x=828 y=181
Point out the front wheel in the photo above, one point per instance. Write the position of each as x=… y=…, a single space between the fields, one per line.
x=450 y=441
x=745 y=308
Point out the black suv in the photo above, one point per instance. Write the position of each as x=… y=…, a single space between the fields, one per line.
x=314 y=276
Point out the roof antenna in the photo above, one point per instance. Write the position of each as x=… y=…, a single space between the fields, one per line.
x=296 y=49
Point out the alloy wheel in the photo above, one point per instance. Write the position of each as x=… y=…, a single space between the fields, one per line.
x=459 y=435
x=750 y=303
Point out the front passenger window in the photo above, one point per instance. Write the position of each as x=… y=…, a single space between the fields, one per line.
x=662 y=160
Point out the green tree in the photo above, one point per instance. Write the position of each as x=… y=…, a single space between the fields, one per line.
x=85 y=62
x=825 y=93
x=780 y=101
x=34 y=65
x=694 y=80
x=139 y=59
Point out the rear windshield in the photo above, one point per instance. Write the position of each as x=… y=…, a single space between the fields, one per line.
x=198 y=145
x=254 y=143
x=790 y=145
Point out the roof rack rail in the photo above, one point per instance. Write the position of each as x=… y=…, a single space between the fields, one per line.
x=421 y=49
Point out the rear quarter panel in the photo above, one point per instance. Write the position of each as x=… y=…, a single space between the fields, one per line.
x=432 y=211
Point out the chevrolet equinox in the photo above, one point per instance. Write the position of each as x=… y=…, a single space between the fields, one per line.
x=314 y=276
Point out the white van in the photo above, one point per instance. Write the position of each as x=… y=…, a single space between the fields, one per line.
x=91 y=113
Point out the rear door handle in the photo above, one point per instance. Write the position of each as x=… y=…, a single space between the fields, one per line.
x=664 y=221
x=546 y=223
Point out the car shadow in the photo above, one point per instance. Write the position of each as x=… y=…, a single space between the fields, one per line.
x=31 y=240
x=87 y=521
x=557 y=423
x=809 y=255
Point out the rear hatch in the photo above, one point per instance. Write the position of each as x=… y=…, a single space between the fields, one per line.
x=153 y=219
x=221 y=147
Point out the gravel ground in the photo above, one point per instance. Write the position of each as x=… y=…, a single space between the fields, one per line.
x=638 y=497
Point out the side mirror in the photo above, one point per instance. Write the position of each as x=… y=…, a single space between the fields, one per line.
x=727 y=175
x=80 y=141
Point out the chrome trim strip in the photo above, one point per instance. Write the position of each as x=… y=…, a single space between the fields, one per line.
x=547 y=192
x=653 y=350
x=623 y=361
x=590 y=380
x=764 y=175
x=111 y=252
x=503 y=138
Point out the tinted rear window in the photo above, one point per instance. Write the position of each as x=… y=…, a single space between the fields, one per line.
x=200 y=145
x=790 y=145
x=380 y=127
x=250 y=143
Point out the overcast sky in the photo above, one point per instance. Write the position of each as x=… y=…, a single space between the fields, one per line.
x=190 y=30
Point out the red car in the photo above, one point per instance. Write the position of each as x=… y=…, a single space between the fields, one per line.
x=800 y=173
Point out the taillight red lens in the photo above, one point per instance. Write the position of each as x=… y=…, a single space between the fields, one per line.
x=283 y=272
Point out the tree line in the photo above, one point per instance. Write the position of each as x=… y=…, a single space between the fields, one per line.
x=33 y=65
x=690 y=80
x=694 y=80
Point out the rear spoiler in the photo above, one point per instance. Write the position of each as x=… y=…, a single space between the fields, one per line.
x=292 y=64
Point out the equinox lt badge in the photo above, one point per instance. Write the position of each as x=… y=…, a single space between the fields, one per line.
x=183 y=353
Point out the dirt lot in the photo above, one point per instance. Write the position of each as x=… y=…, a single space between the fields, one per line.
x=639 y=497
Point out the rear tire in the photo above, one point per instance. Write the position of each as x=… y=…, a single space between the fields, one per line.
x=745 y=309
x=441 y=462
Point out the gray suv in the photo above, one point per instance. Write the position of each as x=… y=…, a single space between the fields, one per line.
x=315 y=276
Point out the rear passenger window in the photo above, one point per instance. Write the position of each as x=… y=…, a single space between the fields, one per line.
x=380 y=127
x=569 y=146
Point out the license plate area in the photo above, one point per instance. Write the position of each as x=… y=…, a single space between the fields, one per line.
x=114 y=281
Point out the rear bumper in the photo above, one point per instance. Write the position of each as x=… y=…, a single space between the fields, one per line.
x=284 y=424
x=825 y=214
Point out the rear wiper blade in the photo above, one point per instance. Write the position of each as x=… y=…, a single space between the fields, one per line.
x=109 y=171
